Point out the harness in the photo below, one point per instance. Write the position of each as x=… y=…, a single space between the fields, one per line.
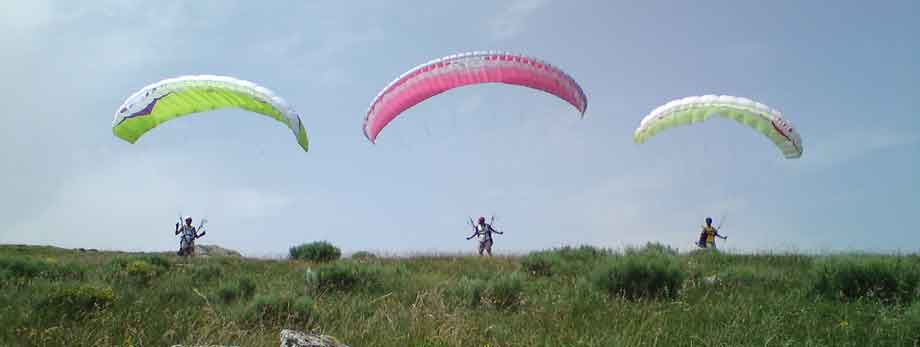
x=710 y=232
x=484 y=232
x=188 y=234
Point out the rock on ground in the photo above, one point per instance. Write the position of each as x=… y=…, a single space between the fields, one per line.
x=293 y=338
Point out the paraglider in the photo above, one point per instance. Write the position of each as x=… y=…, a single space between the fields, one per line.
x=189 y=235
x=443 y=74
x=709 y=233
x=695 y=109
x=483 y=231
x=175 y=97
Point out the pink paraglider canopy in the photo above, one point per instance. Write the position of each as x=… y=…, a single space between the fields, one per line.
x=440 y=75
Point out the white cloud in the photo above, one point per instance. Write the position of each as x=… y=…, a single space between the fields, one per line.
x=513 y=19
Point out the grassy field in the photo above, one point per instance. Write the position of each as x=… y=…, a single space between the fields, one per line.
x=564 y=297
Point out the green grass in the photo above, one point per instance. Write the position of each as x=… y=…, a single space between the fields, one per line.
x=581 y=296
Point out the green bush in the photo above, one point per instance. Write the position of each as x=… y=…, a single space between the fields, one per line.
x=5 y=276
x=137 y=269
x=28 y=268
x=583 y=253
x=142 y=272
x=566 y=260
x=737 y=277
x=848 y=278
x=178 y=296
x=582 y=297
x=652 y=247
x=320 y=251
x=71 y=271
x=279 y=309
x=24 y=267
x=541 y=263
x=504 y=291
x=244 y=288
x=72 y=301
x=206 y=273
x=912 y=322
x=649 y=275
x=501 y=291
x=157 y=260
x=118 y=263
x=363 y=255
x=228 y=292
x=468 y=291
x=333 y=277
x=114 y=269
x=710 y=257
x=345 y=277
x=302 y=309
x=247 y=287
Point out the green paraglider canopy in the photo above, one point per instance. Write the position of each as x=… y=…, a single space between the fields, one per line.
x=695 y=109
x=176 y=97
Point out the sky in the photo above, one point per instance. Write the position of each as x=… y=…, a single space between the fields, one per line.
x=845 y=74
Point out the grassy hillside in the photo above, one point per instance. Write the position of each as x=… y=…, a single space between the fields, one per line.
x=564 y=297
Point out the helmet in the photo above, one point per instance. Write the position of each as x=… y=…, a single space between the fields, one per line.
x=482 y=220
x=708 y=220
x=188 y=219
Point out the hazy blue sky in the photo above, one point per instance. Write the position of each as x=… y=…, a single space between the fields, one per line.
x=845 y=73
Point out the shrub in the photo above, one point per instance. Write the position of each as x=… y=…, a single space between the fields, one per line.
x=138 y=269
x=541 y=263
x=912 y=322
x=583 y=253
x=244 y=288
x=648 y=275
x=566 y=260
x=652 y=247
x=180 y=296
x=739 y=278
x=468 y=291
x=142 y=272
x=157 y=260
x=275 y=309
x=320 y=251
x=302 y=308
x=712 y=258
x=28 y=268
x=118 y=263
x=74 y=300
x=5 y=275
x=71 y=271
x=207 y=272
x=363 y=255
x=504 y=291
x=247 y=287
x=582 y=297
x=228 y=292
x=23 y=267
x=848 y=278
x=344 y=277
